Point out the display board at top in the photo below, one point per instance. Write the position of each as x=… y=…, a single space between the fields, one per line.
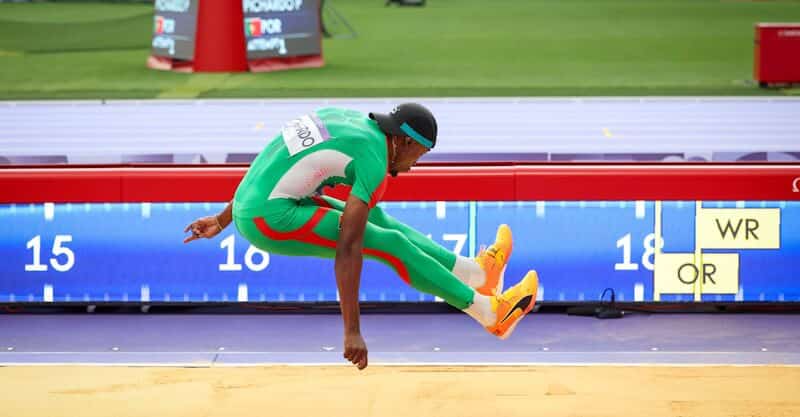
x=282 y=28
x=174 y=26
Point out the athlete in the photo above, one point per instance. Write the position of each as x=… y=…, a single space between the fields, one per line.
x=279 y=209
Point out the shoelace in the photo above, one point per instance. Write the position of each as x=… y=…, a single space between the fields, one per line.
x=494 y=254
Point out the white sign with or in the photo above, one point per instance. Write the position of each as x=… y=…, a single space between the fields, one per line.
x=681 y=273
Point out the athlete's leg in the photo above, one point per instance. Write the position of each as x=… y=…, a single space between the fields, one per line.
x=466 y=269
x=304 y=228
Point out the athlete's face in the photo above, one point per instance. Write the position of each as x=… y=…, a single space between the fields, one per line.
x=408 y=152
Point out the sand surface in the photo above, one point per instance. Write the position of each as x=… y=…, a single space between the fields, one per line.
x=436 y=391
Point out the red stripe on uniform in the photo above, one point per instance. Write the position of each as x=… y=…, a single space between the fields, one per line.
x=394 y=261
x=321 y=201
x=377 y=195
x=306 y=234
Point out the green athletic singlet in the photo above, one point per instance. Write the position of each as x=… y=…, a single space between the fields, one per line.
x=277 y=206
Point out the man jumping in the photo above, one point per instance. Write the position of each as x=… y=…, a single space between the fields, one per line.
x=279 y=209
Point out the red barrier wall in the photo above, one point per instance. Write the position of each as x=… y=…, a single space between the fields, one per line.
x=426 y=183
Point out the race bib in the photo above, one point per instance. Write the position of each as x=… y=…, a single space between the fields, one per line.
x=303 y=133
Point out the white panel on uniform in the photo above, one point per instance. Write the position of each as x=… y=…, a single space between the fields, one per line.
x=303 y=133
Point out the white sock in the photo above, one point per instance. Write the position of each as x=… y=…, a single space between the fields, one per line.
x=469 y=272
x=481 y=310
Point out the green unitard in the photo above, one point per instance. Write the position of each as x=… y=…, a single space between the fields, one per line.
x=277 y=206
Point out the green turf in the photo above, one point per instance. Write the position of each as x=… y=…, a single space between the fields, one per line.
x=449 y=48
x=71 y=13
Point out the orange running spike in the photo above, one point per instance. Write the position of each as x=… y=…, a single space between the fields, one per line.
x=514 y=304
x=493 y=261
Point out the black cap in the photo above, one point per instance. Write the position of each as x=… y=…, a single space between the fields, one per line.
x=409 y=119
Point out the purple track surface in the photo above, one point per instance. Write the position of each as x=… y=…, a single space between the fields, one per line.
x=723 y=129
x=243 y=340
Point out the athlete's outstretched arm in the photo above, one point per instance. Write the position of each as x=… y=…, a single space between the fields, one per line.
x=348 y=277
x=210 y=226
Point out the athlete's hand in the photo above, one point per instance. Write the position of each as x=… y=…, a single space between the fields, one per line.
x=355 y=350
x=206 y=227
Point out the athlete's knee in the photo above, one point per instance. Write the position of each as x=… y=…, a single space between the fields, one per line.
x=401 y=246
x=380 y=218
x=392 y=239
x=377 y=216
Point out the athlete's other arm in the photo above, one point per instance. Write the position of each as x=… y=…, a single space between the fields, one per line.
x=348 y=277
x=210 y=226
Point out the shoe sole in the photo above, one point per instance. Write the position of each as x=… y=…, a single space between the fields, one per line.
x=501 y=280
x=498 y=289
x=508 y=255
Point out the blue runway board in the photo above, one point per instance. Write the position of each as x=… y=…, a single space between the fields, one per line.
x=134 y=252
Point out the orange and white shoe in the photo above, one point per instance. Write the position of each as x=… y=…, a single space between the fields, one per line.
x=493 y=261
x=513 y=305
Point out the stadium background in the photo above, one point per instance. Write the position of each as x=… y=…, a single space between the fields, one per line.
x=79 y=50
x=618 y=122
